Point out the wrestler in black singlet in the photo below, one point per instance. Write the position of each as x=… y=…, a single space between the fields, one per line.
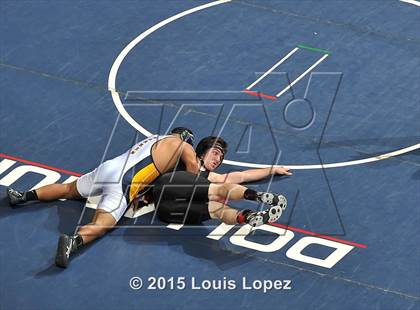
x=181 y=197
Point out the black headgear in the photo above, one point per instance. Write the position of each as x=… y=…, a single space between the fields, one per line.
x=211 y=142
x=185 y=133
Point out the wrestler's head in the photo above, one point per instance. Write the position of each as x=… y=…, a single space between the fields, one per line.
x=211 y=151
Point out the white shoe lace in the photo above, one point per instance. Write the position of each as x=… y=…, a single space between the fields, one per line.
x=69 y=247
x=16 y=193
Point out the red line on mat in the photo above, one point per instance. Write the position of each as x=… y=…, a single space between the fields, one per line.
x=307 y=232
x=258 y=94
x=39 y=165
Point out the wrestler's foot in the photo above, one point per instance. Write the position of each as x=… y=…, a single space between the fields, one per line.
x=270 y=215
x=66 y=246
x=15 y=197
x=272 y=199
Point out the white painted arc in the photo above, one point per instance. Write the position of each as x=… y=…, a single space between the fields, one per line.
x=332 y=165
x=117 y=63
x=411 y=2
x=123 y=112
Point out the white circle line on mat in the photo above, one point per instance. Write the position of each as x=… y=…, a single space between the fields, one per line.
x=123 y=112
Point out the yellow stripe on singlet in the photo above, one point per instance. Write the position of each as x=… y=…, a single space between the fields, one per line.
x=142 y=178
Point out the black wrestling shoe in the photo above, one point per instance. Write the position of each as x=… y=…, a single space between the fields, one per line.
x=15 y=197
x=270 y=215
x=66 y=246
x=272 y=199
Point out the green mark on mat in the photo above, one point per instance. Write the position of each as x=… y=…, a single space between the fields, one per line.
x=314 y=49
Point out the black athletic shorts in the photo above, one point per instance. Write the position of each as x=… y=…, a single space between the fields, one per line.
x=182 y=198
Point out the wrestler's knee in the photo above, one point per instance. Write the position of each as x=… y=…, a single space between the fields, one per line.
x=71 y=191
x=103 y=219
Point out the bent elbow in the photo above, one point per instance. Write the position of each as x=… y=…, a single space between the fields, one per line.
x=193 y=168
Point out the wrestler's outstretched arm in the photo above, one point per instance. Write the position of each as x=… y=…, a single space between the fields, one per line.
x=239 y=177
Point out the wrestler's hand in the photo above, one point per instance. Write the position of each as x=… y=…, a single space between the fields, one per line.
x=147 y=197
x=281 y=171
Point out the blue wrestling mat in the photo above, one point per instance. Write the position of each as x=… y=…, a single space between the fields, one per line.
x=328 y=88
